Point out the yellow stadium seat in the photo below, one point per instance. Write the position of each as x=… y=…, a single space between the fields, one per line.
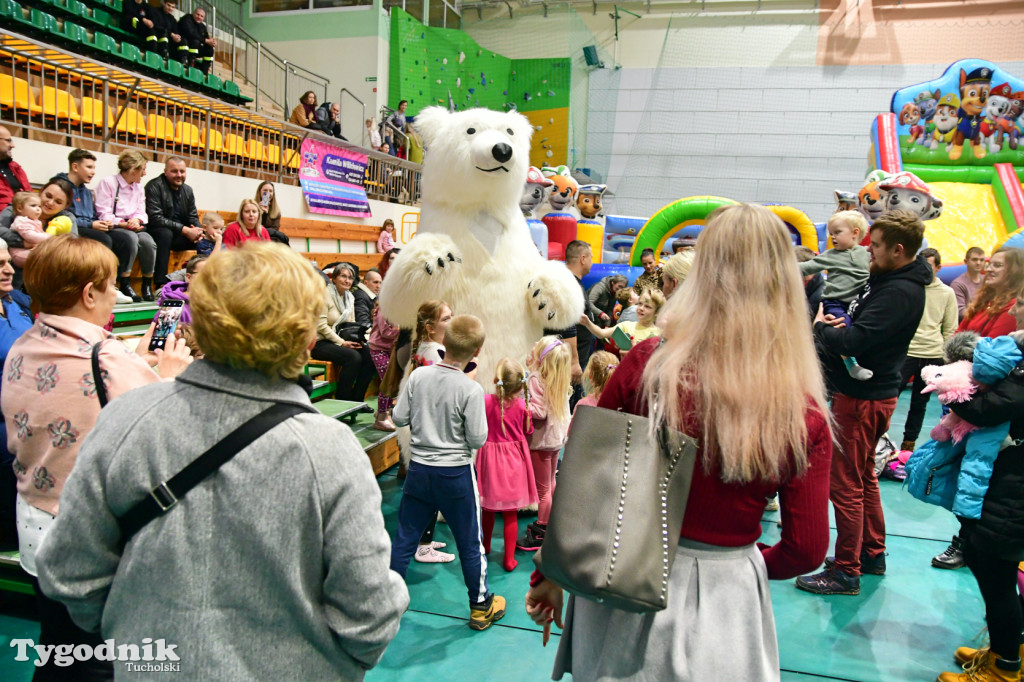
x=291 y=158
x=186 y=135
x=216 y=141
x=234 y=145
x=93 y=111
x=273 y=155
x=160 y=128
x=132 y=123
x=254 y=150
x=15 y=94
x=57 y=104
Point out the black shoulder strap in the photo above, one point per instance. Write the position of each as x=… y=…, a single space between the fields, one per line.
x=97 y=375
x=166 y=495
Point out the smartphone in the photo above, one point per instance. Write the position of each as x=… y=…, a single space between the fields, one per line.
x=265 y=198
x=166 y=322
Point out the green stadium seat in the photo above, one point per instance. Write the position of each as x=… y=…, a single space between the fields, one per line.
x=129 y=52
x=10 y=9
x=74 y=34
x=70 y=7
x=195 y=76
x=174 y=69
x=151 y=60
x=230 y=88
x=115 y=5
x=213 y=82
x=43 y=22
x=103 y=44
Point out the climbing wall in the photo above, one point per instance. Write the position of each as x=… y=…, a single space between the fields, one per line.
x=437 y=66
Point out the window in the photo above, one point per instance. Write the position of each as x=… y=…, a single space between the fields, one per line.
x=292 y=5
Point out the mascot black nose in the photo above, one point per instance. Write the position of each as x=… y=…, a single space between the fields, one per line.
x=502 y=152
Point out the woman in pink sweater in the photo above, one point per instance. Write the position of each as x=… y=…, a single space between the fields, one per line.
x=50 y=399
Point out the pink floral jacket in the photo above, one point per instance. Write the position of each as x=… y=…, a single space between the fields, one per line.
x=49 y=399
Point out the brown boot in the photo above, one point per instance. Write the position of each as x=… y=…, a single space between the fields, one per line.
x=986 y=666
x=966 y=654
x=907 y=445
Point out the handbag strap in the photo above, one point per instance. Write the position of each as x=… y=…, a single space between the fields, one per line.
x=97 y=375
x=165 y=496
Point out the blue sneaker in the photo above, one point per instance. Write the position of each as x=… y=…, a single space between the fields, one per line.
x=830 y=581
x=868 y=565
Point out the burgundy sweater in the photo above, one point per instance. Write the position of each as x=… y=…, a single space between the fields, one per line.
x=729 y=514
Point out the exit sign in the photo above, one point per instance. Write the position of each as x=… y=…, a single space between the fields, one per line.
x=371 y=79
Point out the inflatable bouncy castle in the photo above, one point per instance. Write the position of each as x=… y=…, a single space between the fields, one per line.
x=960 y=133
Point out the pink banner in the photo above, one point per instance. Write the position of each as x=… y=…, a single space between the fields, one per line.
x=332 y=180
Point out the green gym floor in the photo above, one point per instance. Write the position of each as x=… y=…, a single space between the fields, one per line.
x=903 y=626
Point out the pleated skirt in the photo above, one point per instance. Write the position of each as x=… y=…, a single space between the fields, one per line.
x=718 y=625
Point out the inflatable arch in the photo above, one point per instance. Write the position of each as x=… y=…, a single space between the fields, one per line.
x=695 y=210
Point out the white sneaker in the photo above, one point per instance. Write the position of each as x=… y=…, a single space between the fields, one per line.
x=425 y=554
x=438 y=545
x=773 y=504
x=122 y=299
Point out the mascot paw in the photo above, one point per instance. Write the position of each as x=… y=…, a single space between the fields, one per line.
x=553 y=296
x=435 y=266
x=425 y=269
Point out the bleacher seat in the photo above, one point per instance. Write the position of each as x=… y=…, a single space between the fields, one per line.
x=103 y=44
x=174 y=69
x=231 y=89
x=92 y=113
x=133 y=123
x=234 y=145
x=57 y=104
x=42 y=22
x=12 y=11
x=274 y=155
x=291 y=158
x=187 y=135
x=160 y=128
x=216 y=141
x=213 y=82
x=74 y=34
x=195 y=76
x=151 y=60
x=129 y=52
x=16 y=94
x=255 y=151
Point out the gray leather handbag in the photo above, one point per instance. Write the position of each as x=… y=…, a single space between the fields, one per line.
x=617 y=510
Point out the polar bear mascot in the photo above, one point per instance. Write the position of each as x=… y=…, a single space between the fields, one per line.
x=473 y=248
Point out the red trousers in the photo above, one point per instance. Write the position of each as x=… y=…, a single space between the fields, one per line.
x=853 y=489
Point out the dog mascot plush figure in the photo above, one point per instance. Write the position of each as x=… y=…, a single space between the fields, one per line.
x=472 y=248
x=974 y=89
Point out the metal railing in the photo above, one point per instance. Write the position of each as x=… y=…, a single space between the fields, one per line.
x=70 y=100
x=275 y=80
x=362 y=118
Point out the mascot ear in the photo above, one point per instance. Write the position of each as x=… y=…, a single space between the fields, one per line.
x=429 y=123
x=522 y=126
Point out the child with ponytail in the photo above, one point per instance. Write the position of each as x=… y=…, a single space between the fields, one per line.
x=503 y=467
x=549 y=387
x=599 y=369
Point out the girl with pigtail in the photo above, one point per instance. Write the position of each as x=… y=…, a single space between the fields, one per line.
x=503 y=466
x=550 y=385
x=599 y=369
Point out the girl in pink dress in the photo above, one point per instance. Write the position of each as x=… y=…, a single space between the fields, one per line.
x=504 y=471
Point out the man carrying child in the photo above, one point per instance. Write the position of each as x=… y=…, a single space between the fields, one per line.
x=445 y=411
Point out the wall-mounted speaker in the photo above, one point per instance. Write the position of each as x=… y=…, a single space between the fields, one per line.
x=590 y=56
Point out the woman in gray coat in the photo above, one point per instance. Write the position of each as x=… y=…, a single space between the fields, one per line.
x=273 y=567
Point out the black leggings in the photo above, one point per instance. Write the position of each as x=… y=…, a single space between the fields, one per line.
x=997 y=581
x=355 y=368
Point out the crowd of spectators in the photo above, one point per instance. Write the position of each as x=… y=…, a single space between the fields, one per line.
x=186 y=39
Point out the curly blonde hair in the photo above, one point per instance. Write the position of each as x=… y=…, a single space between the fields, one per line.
x=256 y=307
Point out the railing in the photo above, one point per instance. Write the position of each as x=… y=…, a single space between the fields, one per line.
x=74 y=101
x=276 y=80
x=362 y=117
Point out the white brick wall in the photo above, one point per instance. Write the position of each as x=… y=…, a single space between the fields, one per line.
x=787 y=134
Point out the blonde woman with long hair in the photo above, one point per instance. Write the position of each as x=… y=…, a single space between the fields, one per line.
x=549 y=387
x=738 y=371
x=247 y=227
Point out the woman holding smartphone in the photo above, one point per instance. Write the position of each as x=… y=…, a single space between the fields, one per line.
x=270 y=214
x=50 y=402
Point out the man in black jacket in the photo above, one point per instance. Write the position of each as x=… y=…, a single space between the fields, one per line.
x=196 y=47
x=138 y=17
x=884 y=319
x=166 y=28
x=173 y=219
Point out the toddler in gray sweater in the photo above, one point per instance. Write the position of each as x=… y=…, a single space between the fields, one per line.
x=847 y=264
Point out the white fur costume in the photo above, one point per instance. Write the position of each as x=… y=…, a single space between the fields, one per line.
x=473 y=248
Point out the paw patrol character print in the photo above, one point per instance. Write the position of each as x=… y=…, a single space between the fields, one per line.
x=1013 y=120
x=911 y=116
x=871 y=198
x=927 y=102
x=534 y=191
x=845 y=201
x=943 y=125
x=974 y=89
x=997 y=107
x=563 y=193
x=906 y=191
x=589 y=201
